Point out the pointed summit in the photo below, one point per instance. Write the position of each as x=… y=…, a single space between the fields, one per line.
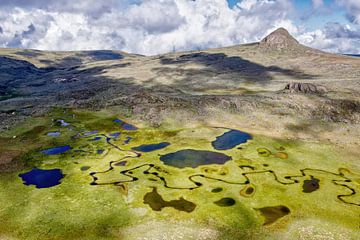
x=279 y=39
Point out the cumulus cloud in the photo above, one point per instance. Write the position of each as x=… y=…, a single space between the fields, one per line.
x=149 y=26
x=352 y=9
x=334 y=37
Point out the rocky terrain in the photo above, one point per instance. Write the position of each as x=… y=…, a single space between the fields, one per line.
x=248 y=80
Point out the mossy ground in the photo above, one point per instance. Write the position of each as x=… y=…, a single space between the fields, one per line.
x=77 y=210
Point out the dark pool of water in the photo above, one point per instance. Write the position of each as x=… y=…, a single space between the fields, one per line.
x=272 y=214
x=217 y=190
x=311 y=185
x=193 y=158
x=85 y=168
x=151 y=147
x=225 y=202
x=124 y=125
x=127 y=140
x=156 y=202
x=53 y=134
x=122 y=163
x=42 y=178
x=96 y=139
x=56 y=150
x=230 y=140
x=100 y=151
x=115 y=134
x=247 y=191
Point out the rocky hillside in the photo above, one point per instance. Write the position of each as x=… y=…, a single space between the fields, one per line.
x=247 y=79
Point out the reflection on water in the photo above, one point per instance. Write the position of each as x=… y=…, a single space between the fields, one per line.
x=124 y=125
x=193 y=158
x=230 y=140
x=56 y=150
x=151 y=147
x=42 y=178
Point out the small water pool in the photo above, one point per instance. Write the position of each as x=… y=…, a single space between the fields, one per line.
x=42 y=178
x=193 y=158
x=230 y=140
x=56 y=150
x=151 y=147
x=124 y=125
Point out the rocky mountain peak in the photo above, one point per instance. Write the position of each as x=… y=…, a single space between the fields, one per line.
x=279 y=39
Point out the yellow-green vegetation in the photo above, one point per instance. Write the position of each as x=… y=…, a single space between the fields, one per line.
x=119 y=193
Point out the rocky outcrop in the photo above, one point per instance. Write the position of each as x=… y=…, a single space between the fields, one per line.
x=279 y=39
x=304 y=88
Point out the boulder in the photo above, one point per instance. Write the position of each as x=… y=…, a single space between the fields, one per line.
x=304 y=88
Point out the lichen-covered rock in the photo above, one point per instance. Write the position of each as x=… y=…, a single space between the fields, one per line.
x=304 y=88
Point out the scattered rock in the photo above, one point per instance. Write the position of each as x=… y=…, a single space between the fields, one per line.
x=304 y=88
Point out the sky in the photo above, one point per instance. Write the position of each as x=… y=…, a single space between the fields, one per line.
x=153 y=27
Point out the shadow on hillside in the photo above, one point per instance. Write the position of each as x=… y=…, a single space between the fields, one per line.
x=219 y=69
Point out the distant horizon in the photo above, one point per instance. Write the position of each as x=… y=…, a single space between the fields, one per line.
x=153 y=27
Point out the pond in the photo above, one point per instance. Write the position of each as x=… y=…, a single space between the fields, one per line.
x=42 y=178
x=115 y=134
x=157 y=203
x=124 y=125
x=56 y=150
x=311 y=185
x=225 y=202
x=193 y=158
x=151 y=147
x=272 y=214
x=230 y=140
x=53 y=134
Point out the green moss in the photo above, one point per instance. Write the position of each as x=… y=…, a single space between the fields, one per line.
x=77 y=210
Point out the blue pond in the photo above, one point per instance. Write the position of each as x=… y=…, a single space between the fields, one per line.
x=53 y=134
x=127 y=140
x=151 y=147
x=193 y=158
x=100 y=151
x=230 y=140
x=42 y=178
x=96 y=139
x=56 y=150
x=124 y=125
x=115 y=134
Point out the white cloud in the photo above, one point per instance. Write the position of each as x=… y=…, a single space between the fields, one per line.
x=352 y=8
x=146 y=26
x=334 y=37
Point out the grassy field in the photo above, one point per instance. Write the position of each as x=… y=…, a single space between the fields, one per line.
x=276 y=169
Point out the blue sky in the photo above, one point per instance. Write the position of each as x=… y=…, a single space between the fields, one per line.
x=159 y=26
x=329 y=13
